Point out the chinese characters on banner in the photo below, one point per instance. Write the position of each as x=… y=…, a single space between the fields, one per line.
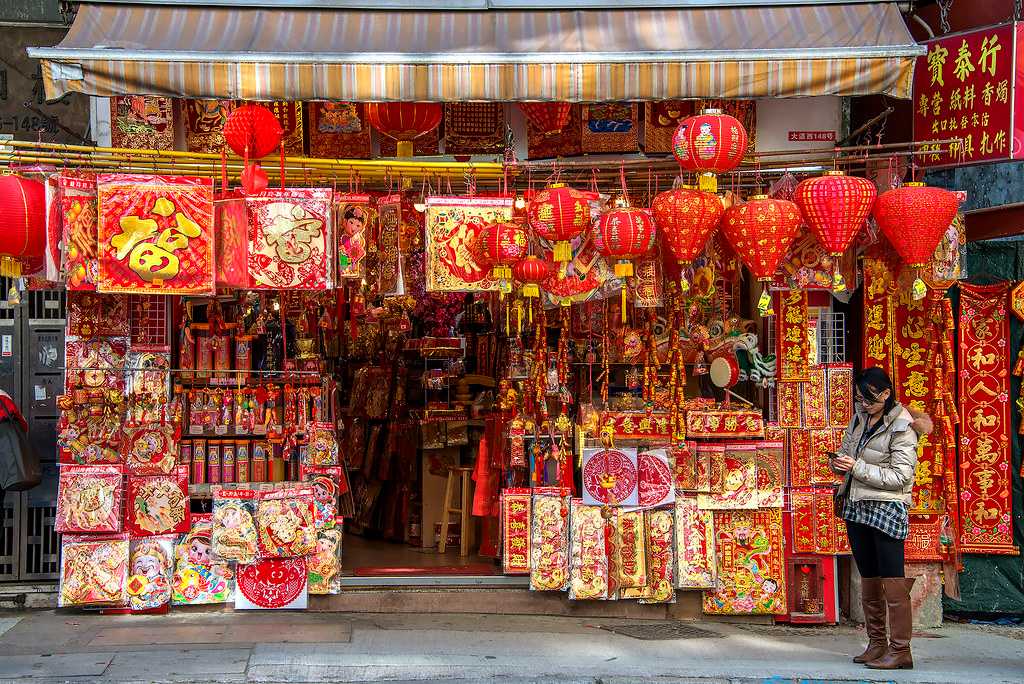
x=964 y=88
x=793 y=341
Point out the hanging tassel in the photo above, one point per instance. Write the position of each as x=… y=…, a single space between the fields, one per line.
x=622 y=291
x=838 y=281
x=919 y=290
x=764 y=304
x=1018 y=367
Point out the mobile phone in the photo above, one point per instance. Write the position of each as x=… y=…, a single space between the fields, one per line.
x=832 y=455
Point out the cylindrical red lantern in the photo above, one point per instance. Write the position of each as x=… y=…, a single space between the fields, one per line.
x=404 y=121
x=914 y=218
x=709 y=143
x=252 y=131
x=500 y=245
x=559 y=213
x=835 y=207
x=23 y=237
x=761 y=231
x=687 y=219
x=547 y=118
x=625 y=234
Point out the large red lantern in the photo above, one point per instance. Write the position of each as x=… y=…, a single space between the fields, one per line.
x=404 y=121
x=558 y=214
x=625 y=234
x=23 y=237
x=914 y=218
x=252 y=131
x=835 y=207
x=687 y=218
x=500 y=245
x=761 y=231
x=548 y=118
x=709 y=143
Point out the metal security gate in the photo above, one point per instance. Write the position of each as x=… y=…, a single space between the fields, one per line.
x=31 y=371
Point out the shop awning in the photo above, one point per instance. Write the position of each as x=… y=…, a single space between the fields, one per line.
x=491 y=55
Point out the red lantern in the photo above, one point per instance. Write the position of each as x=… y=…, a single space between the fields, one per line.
x=914 y=218
x=687 y=217
x=23 y=237
x=548 y=118
x=625 y=234
x=559 y=214
x=500 y=245
x=531 y=272
x=761 y=231
x=252 y=131
x=709 y=143
x=404 y=121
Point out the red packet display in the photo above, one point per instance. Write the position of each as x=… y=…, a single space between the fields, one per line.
x=355 y=218
x=751 y=564
x=234 y=525
x=588 y=574
x=273 y=584
x=631 y=549
x=77 y=197
x=290 y=239
x=549 y=558
x=89 y=499
x=285 y=523
x=656 y=482
x=326 y=484
x=93 y=570
x=151 y=563
x=452 y=225
x=325 y=563
x=516 y=507
x=150 y=450
x=695 y=545
x=660 y=557
x=739 y=480
x=610 y=477
x=199 y=576
x=155 y=234
x=158 y=504
x=771 y=465
x=96 y=364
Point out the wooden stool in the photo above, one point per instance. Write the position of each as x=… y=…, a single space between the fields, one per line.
x=463 y=510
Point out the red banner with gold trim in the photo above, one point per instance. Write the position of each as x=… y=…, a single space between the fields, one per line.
x=800 y=460
x=515 y=523
x=815 y=410
x=877 y=329
x=724 y=424
x=839 y=380
x=802 y=504
x=790 y=413
x=924 y=540
x=793 y=344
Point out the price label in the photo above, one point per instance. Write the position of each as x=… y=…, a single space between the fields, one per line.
x=195 y=429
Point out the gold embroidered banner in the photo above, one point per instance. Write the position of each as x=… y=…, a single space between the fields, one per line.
x=877 y=329
x=793 y=343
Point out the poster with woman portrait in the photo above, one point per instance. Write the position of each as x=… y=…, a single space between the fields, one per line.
x=355 y=219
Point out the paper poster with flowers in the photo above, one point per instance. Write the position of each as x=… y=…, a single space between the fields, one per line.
x=290 y=239
x=452 y=225
x=751 y=564
x=155 y=234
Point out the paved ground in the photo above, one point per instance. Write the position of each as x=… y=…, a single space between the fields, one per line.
x=187 y=646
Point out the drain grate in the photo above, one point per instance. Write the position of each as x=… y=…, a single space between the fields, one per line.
x=661 y=631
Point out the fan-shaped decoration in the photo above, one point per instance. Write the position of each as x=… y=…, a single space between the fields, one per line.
x=23 y=236
x=548 y=118
x=404 y=121
x=709 y=143
x=252 y=131
x=559 y=213
x=687 y=219
x=914 y=218
x=499 y=246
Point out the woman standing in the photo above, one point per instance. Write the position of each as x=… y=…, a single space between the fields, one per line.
x=877 y=459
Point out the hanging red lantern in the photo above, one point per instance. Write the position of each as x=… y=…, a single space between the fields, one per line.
x=709 y=143
x=687 y=218
x=404 y=121
x=548 y=118
x=914 y=218
x=835 y=207
x=531 y=272
x=500 y=245
x=624 y=234
x=761 y=231
x=23 y=237
x=252 y=131
x=558 y=214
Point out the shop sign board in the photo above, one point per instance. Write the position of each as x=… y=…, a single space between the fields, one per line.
x=966 y=87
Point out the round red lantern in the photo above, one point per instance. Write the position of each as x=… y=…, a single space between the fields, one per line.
x=252 y=131
x=500 y=245
x=687 y=218
x=914 y=218
x=531 y=272
x=23 y=238
x=558 y=214
x=623 y=234
x=709 y=143
x=761 y=231
x=404 y=121
x=547 y=118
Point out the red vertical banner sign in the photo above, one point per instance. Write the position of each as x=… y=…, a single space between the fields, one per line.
x=793 y=343
x=877 y=331
x=985 y=473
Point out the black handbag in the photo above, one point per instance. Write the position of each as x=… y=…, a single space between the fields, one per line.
x=19 y=462
x=840 y=496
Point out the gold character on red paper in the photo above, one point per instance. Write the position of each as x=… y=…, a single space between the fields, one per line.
x=154 y=262
x=937 y=104
x=979 y=419
x=978 y=359
x=963 y=67
x=936 y=60
x=986 y=94
x=990 y=48
x=917 y=384
x=968 y=100
x=1003 y=91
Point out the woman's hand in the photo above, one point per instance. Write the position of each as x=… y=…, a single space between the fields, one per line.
x=843 y=463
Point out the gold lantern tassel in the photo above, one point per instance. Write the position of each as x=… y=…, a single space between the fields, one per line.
x=838 y=281
x=624 y=270
x=10 y=267
x=563 y=251
x=708 y=182
x=764 y=304
x=919 y=290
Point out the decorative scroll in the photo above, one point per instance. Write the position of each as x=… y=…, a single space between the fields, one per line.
x=610 y=477
x=155 y=234
x=771 y=474
x=822 y=442
x=390 y=210
x=289 y=115
x=839 y=380
x=79 y=235
x=802 y=503
x=724 y=424
x=290 y=242
x=739 y=481
x=800 y=460
x=474 y=128
x=337 y=131
x=204 y=124
x=684 y=466
x=452 y=224
x=824 y=526
x=695 y=545
x=566 y=143
x=710 y=463
x=631 y=547
x=549 y=557
x=815 y=410
x=588 y=575
x=660 y=557
x=924 y=539
x=610 y=127
x=790 y=411
x=751 y=564
x=638 y=425
x=142 y=123
x=793 y=343
x=877 y=330
x=985 y=472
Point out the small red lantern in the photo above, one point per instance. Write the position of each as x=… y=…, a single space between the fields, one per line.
x=23 y=237
x=687 y=217
x=761 y=231
x=709 y=143
x=404 y=121
x=548 y=118
x=252 y=131
x=559 y=213
x=531 y=272
x=835 y=207
x=624 y=234
x=500 y=245
x=914 y=218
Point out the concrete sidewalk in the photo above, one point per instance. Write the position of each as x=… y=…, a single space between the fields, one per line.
x=191 y=646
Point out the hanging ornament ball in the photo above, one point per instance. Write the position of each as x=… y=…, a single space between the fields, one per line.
x=709 y=143
x=23 y=237
x=558 y=214
x=761 y=231
x=624 y=235
x=253 y=126
x=835 y=207
x=547 y=118
x=404 y=121
x=254 y=179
